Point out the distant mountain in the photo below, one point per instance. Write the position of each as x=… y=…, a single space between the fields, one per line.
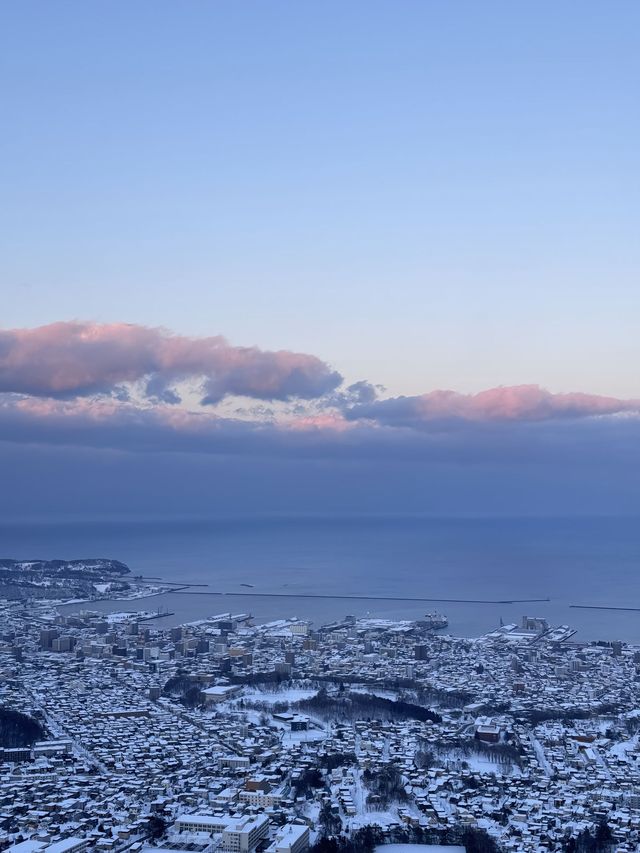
x=89 y=578
x=92 y=568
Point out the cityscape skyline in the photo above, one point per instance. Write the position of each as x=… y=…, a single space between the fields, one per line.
x=319 y=426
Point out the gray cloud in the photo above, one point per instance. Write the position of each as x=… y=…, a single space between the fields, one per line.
x=126 y=427
x=139 y=463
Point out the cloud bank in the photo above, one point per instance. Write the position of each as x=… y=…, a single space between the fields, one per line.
x=509 y=404
x=79 y=359
x=124 y=426
x=89 y=391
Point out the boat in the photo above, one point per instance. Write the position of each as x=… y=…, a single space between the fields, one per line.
x=435 y=620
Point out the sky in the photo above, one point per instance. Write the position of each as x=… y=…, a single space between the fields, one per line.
x=365 y=256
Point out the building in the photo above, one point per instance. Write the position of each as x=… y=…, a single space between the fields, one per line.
x=68 y=845
x=297 y=722
x=201 y=823
x=487 y=731
x=421 y=652
x=47 y=636
x=260 y=799
x=243 y=836
x=235 y=762
x=15 y=754
x=52 y=747
x=220 y=692
x=292 y=838
x=28 y=846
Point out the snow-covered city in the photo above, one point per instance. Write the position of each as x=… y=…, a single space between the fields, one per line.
x=118 y=735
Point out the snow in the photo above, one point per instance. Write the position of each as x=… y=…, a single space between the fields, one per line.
x=373 y=818
x=272 y=697
x=479 y=763
x=620 y=750
x=539 y=751
x=386 y=624
x=293 y=738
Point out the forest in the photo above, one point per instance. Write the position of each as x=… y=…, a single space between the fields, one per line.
x=361 y=706
x=18 y=730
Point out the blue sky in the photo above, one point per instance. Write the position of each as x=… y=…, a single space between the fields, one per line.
x=432 y=194
x=414 y=196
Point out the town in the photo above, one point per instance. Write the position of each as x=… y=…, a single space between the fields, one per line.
x=120 y=735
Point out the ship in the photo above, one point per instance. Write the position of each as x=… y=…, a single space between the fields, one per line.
x=435 y=620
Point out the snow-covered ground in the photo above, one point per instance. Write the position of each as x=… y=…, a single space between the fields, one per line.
x=539 y=751
x=290 y=738
x=145 y=591
x=273 y=697
x=621 y=749
x=478 y=762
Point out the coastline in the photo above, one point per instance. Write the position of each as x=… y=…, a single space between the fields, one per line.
x=464 y=620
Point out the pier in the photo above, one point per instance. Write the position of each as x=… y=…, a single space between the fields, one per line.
x=156 y=616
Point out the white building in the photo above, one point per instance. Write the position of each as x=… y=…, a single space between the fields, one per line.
x=201 y=823
x=292 y=838
x=261 y=799
x=28 y=846
x=243 y=836
x=68 y=845
x=220 y=692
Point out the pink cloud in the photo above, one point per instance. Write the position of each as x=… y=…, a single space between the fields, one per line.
x=74 y=359
x=321 y=422
x=515 y=403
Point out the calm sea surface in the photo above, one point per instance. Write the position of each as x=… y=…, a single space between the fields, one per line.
x=593 y=561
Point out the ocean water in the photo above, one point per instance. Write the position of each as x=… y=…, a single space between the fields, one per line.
x=586 y=561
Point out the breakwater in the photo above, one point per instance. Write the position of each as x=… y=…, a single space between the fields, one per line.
x=337 y=597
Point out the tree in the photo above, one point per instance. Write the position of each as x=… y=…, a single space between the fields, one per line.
x=310 y=779
x=424 y=759
x=330 y=822
x=386 y=786
x=157 y=827
x=478 y=841
x=18 y=730
x=604 y=836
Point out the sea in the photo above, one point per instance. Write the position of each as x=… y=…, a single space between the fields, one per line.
x=478 y=572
